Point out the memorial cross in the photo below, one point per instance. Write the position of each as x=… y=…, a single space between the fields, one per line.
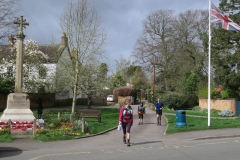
x=19 y=59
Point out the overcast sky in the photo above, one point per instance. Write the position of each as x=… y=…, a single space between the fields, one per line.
x=122 y=19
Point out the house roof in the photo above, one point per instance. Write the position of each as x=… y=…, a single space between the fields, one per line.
x=53 y=51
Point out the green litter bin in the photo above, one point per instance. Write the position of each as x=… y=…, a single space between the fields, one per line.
x=180 y=118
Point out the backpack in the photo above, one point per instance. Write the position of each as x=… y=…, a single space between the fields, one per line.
x=141 y=109
x=127 y=114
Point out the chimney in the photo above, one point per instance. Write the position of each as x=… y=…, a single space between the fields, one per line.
x=74 y=54
x=11 y=40
x=64 y=39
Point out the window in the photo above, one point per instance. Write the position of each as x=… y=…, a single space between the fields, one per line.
x=41 y=89
x=10 y=71
x=43 y=72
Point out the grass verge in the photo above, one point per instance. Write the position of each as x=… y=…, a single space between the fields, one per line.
x=196 y=123
x=6 y=138
x=204 y=112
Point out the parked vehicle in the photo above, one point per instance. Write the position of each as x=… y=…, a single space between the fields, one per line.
x=110 y=98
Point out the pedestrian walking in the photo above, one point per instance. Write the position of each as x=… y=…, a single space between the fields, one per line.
x=141 y=112
x=126 y=120
x=158 y=107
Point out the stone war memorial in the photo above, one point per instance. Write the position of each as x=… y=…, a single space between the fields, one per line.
x=18 y=103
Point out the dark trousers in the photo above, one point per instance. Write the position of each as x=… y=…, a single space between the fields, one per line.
x=126 y=127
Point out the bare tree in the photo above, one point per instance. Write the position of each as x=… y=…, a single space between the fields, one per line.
x=8 y=11
x=157 y=40
x=190 y=25
x=175 y=42
x=86 y=39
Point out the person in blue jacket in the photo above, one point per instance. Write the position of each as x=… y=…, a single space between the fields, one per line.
x=158 y=107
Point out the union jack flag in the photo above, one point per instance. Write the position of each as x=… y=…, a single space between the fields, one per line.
x=219 y=18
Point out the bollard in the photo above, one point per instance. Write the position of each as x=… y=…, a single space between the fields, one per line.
x=34 y=127
x=9 y=124
x=59 y=116
x=83 y=125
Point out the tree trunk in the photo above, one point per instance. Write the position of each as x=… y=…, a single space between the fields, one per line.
x=75 y=86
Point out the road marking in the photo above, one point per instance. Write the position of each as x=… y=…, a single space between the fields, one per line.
x=106 y=151
x=156 y=147
x=237 y=141
x=213 y=143
x=142 y=148
x=187 y=146
x=168 y=147
x=124 y=150
x=59 y=154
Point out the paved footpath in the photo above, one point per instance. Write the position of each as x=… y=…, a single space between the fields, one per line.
x=149 y=132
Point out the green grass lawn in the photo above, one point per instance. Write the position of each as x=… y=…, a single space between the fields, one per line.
x=110 y=120
x=204 y=112
x=196 y=123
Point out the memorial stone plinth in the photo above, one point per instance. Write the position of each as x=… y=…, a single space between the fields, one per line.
x=18 y=108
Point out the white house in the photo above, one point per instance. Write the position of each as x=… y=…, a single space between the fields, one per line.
x=48 y=77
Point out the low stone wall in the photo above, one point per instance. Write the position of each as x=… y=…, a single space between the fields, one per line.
x=219 y=104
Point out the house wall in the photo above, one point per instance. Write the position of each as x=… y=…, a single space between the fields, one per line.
x=63 y=74
x=219 y=104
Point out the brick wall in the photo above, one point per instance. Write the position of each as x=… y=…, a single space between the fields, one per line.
x=219 y=104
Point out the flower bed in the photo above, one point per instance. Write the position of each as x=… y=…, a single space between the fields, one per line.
x=19 y=125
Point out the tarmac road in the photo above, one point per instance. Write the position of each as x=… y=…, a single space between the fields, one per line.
x=148 y=141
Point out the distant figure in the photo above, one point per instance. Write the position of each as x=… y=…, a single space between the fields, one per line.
x=141 y=112
x=40 y=108
x=159 y=106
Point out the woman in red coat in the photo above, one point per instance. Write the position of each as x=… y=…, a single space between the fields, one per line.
x=126 y=120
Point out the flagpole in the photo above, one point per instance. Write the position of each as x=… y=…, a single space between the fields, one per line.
x=209 y=61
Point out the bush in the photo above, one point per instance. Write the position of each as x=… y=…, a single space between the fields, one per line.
x=215 y=95
x=78 y=126
x=43 y=131
x=190 y=100
x=203 y=93
x=226 y=113
x=229 y=94
x=173 y=100
x=4 y=131
x=123 y=91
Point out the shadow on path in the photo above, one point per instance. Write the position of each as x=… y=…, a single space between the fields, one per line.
x=147 y=142
x=9 y=151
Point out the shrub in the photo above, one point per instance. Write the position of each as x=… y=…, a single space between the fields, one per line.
x=203 y=93
x=229 y=94
x=78 y=125
x=226 y=113
x=43 y=131
x=4 y=131
x=190 y=100
x=123 y=91
x=173 y=100
x=215 y=95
